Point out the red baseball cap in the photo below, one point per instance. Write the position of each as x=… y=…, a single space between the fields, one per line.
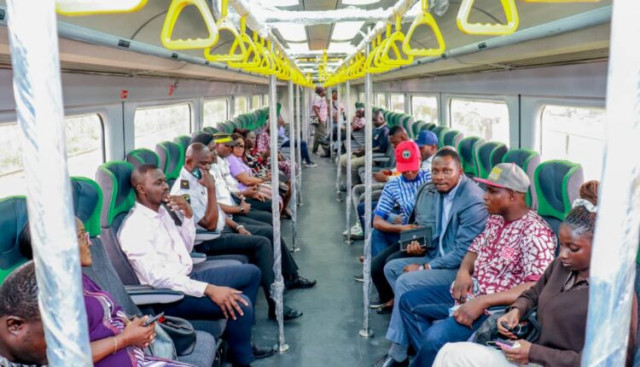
x=407 y=156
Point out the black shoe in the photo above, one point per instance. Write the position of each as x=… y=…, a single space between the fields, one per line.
x=288 y=313
x=299 y=282
x=359 y=277
x=260 y=353
x=387 y=361
x=384 y=310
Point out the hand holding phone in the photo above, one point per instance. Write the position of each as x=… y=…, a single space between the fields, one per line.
x=159 y=318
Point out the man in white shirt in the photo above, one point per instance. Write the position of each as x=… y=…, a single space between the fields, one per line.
x=254 y=239
x=159 y=252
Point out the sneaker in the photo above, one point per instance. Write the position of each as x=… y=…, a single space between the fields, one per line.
x=310 y=165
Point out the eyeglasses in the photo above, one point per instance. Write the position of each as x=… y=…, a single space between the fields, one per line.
x=239 y=146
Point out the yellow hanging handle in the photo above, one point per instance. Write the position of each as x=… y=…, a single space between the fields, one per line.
x=510 y=12
x=425 y=19
x=89 y=7
x=561 y=1
x=237 y=50
x=252 y=55
x=173 y=14
x=396 y=39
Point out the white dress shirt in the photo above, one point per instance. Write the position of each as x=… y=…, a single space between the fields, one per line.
x=187 y=184
x=426 y=164
x=159 y=251
x=225 y=172
x=223 y=193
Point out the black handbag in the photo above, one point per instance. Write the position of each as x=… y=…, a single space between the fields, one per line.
x=527 y=329
x=182 y=334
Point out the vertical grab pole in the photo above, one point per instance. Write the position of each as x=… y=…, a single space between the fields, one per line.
x=366 y=331
x=303 y=132
x=339 y=173
x=330 y=123
x=612 y=275
x=347 y=110
x=294 y=169
x=33 y=36
x=299 y=148
x=277 y=288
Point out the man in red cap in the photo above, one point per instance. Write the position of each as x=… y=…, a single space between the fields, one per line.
x=401 y=193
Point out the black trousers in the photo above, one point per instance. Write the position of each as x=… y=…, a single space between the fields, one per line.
x=377 y=271
x=259 y=205
x=257 y=215
x=289 y=266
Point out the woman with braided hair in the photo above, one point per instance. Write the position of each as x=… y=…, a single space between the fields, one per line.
x=562 y=299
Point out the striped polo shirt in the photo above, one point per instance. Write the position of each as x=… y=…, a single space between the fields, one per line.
x=401 y=192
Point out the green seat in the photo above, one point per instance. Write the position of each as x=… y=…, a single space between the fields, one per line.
x=430 y=126
x=452 y=138
x=557 y=184
x=417 y=127
x=171 y=160
x=489 y=154
x=210 y=130
x=467 y=149
x=528 y=160
x=184 y=141
x=439 y=131
x=12 y=220
x=142 y=156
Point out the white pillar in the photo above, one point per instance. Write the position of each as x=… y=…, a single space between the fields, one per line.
x=339 y=170
x=33 y=36
x=294 y=169
x=615 y=244
x=347 y=110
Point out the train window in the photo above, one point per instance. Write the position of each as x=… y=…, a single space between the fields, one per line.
x=265 y=100
x=361 y=97
x=240 y=106
x=576 y=134
x=381 y=100
x=215 y=111
x=486 y=119
x=156 y=124
x=85 y=151
x=255 y=101
x=397 y=102
x=424 y=108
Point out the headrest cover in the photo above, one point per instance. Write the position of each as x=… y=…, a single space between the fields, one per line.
x=12 y=220
x=115 y=180
x=87 y=203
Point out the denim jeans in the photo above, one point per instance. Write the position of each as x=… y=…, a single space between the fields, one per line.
x=380 y=241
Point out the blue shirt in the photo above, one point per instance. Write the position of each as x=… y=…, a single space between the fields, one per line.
x=401 y=192
x=381 y=138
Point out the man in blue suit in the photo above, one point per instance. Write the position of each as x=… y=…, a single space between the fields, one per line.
x=460 y=217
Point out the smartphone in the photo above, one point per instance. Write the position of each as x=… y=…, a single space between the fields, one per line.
x=196 y=173
x=507 y=344
x=159 y=318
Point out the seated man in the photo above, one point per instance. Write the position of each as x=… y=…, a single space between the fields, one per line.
x=460 y=217
x=379 y=145
x=399 y=192
x=21 y=332
x=255 y=239
x=383 y=174
x=428 y=143
x=358 y=121
x=506 y=259
x=158 y=251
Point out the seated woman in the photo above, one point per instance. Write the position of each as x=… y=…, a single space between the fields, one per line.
x=115 y=339
x=562 y=298
x=304 y=149
x=245 y=177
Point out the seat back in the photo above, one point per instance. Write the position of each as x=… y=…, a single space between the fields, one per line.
x=416 y=127
x=488 y=155
x=528 y=160
x=142 y=156
x=429 y=126
x=557 y=184
x=438 y=131
x=13 y=217
x=171 y=160
x=467 y=149
x=114 y=179
x=452 y=138
x=183 y=141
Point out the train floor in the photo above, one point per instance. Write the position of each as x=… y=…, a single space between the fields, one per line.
x=327 y=333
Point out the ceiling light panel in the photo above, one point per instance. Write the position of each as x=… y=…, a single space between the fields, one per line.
x=292 y=32
x=359 y=2
x=298 y=47
x=346 y=31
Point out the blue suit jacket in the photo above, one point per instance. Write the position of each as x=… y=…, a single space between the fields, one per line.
x=467 y=219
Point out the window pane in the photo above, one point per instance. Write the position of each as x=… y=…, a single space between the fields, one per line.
x=215 y=111
x=397 y=102
x=424 y=108
x=265 y=100
x=240 y=106
x=488 y=120
x=154 y=125
x=255 y=102
x=84 y=152
x=381 y=100
x=361 y=97
x=576 y=134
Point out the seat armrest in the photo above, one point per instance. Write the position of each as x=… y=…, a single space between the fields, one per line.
x=377 y=155
x=205 y=235
x=146 y=295
x=198 y=257
x=381 y=159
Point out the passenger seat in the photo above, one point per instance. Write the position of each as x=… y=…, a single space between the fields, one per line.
x=528 y=160
x=13 y=216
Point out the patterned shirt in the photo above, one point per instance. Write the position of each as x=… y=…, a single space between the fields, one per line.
x=321 y=103
x=401 y=192
x=513 y=253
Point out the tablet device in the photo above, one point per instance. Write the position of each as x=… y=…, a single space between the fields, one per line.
x=420 y=234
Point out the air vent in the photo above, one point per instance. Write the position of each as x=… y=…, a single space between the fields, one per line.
x=174 y=55
x=124 y=43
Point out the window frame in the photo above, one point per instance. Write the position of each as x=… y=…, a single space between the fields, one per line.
x=427 y=95
x=508 y=101
x=247 y=104
x=404 y=102
x=155 y=104
x=226 y=110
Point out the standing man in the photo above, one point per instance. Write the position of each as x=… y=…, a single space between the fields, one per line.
x=319 y=117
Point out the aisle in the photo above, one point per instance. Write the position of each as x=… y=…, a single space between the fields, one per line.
x=327 y=334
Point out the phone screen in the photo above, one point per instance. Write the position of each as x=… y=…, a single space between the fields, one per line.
x=196 y=173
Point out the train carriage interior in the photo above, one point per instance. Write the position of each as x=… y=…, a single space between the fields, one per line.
x=520 y=82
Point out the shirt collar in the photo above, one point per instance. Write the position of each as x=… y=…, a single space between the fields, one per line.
x=148 y=212
x=186 y=175
x=428 y=160
x=452 y=193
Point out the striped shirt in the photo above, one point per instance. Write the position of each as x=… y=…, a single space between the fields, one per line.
x=401 y=192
